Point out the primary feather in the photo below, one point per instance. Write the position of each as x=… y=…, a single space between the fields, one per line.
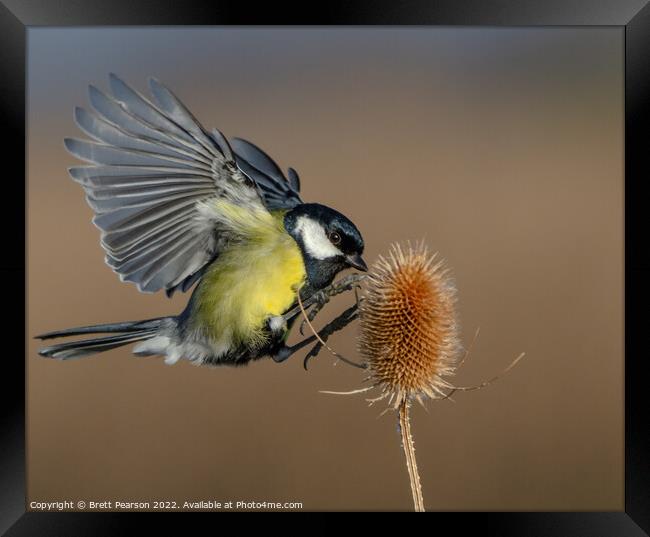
x=154 y=178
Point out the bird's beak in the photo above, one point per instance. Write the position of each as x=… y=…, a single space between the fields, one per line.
x=357 y=262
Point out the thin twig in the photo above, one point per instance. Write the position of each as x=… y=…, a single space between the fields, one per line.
x=487 y=382
x=351 y=392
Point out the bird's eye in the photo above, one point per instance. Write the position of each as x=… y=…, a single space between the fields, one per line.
x=335 y=238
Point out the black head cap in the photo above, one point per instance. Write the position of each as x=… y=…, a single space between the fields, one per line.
x=340 y=232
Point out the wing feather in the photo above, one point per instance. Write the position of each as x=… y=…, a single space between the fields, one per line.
x=126 y=218
x=278 y=191
x=117 y=113
x=162 y=236
x=120 y=241
x=103 y=131
x=152 y=254
x=119 y=156
x=102 y=206
x=161 y=239
x=177 y=111
x=142 y=108
x=152 y=175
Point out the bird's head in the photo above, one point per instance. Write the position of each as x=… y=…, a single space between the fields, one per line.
x=329 y=241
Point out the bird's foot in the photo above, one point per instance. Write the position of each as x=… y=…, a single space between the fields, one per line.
x=318 y=300
x=339 y=323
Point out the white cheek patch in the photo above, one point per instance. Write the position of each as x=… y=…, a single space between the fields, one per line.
x=315 y=240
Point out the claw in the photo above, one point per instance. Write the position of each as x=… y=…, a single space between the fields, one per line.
x=309 y=355
x=313 y=352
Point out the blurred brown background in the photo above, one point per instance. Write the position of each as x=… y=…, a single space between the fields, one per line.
x=502 y=147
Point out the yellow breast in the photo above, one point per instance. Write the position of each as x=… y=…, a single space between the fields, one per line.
x=248 y=283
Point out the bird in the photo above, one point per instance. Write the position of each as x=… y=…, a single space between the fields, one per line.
x=181 y=208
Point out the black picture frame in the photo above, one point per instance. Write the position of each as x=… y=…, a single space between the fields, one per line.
x=16 y=16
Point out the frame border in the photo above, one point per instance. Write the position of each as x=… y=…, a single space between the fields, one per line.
x=16 y=16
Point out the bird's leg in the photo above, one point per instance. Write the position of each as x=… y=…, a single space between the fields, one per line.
x=322 y=297
x=285 y=351
x=337 y=324
x=318 y=305
x=318 y=300
x=346 y=284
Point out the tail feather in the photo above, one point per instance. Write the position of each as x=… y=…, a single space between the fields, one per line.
x=127 y=326
x=78 y=349
x=128 y=332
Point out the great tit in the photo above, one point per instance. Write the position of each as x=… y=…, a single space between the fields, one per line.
x=178 y=207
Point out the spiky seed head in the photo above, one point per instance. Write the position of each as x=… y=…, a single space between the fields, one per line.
x=408 y=323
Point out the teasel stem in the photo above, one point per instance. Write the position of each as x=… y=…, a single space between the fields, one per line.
x=409 y=453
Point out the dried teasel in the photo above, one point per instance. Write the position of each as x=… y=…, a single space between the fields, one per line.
x=409 y=334
x=409 y=338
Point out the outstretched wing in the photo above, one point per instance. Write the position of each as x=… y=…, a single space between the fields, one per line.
x=154 y=172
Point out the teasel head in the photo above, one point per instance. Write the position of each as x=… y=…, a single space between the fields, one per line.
x=409 y=333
